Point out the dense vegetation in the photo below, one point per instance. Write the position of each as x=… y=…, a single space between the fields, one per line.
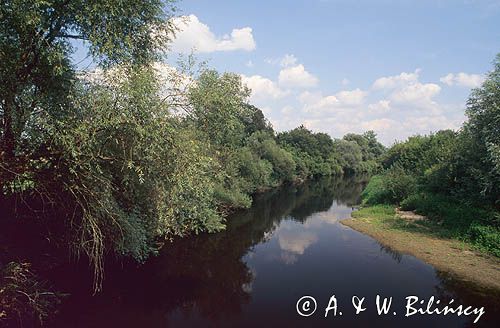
x=114 y=162
x=451 y=177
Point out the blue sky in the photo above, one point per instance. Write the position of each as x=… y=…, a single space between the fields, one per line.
x=396 y=67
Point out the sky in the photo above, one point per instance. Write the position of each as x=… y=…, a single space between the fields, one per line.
x=397 y=67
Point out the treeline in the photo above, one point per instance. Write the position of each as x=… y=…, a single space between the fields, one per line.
x=114 y=165
x=452 y=177
x=251 y=156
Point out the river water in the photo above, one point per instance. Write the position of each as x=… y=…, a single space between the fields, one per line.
x=288 y=245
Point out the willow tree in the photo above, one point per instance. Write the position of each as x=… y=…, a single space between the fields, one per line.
x=35 y=50
x=115 y=167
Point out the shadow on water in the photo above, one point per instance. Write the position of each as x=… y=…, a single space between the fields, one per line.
x=233 y=278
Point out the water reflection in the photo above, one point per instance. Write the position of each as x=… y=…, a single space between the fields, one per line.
x=289 y=244
x=396 y=256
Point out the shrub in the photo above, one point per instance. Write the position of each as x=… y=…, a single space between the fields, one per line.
x=486 y=238
x=476 y=224
x=375 y=192
x=399 y=183
x=389 y=188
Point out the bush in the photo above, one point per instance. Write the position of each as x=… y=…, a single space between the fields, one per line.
x=399 y=183
x=375 y=192
x=389 y=188
x=450 y=211
x=486 y=238
x=232 y=198
x=255 y=172
x=462 y=221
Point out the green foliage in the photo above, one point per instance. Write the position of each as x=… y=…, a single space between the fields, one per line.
x=419 y=153
x=482 y=134
x=377 y=211
x=116 y=162
x=375 y=192
x=451 y=177
x=35 y=70
x=316 y=154
x=462 y=221
x=254 y=121
x=130 y=168
x=399 y=183
x=391 y=187
x=349 y=155
x=94 y=152
x=218 y=108
x=283 y=164
x=486 y=238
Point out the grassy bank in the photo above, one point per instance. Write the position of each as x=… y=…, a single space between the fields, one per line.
x=429 y=242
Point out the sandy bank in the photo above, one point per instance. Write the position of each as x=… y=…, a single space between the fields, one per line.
x=452 y=256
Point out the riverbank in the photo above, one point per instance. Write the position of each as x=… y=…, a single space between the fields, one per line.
x=416 y=238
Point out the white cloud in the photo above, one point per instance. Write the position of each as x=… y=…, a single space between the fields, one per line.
x=263 y=88
x=395 y=81
x=341 y=102
x=196 y=35
x=416 y=93
x=297 y=77
x=308 y=97
x=351 y=97
x=399 y=106
x=407 y=91
x=395 y=107
x=288 y=60
x=380 y=107
x=463 y=80
x=380 y=124
x=285 y=61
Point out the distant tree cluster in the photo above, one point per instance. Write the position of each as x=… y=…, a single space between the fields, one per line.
x=252 y=157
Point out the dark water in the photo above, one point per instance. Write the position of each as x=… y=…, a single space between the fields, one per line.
x=290 y=244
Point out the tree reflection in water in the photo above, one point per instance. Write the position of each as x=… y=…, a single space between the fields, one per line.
x=204 y=275
x=204 y=280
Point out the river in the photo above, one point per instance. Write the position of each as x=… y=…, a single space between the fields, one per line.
x=288 y=245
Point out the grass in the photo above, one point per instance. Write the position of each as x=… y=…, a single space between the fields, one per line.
x=384 y=216
x=477 y=225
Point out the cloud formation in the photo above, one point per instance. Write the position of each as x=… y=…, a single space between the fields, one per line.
x=288 y=60
x=263 y=88
x=395 y=107
x=463 y=80
x=195 y=35
x=297 y=77
x=390 y=82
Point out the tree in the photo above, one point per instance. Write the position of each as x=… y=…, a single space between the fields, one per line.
x=35 y=70
x=483 y=132
x=349 y=155
x=256 y=121
x=370 y=147
x=218 y=104
x=115 y=169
